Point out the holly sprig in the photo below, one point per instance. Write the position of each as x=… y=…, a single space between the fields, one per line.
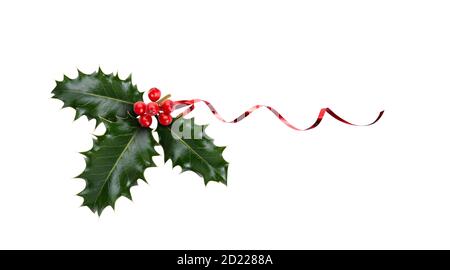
x=119 y=157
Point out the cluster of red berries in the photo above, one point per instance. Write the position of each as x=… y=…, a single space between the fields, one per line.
x=161 y=109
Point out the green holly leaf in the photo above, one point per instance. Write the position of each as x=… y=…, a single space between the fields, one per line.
x=97 y=95
x=188 y=146
x=115 y=163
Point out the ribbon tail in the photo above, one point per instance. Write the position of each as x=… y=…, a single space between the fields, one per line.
x=191 y=107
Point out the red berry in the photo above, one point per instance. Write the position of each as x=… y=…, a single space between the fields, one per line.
x=165 y=119
x=167 y=106
x=145 y=120
x=154 y=94
x=139 y=108
x=152 y=108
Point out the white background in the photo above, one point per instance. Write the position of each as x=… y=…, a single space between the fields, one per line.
x=336 y=187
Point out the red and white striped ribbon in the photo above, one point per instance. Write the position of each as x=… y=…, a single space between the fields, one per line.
x=191 y=106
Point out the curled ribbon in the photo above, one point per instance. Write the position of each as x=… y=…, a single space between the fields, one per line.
x=191 y=106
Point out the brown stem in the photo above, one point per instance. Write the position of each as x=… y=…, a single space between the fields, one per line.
x=161 y=100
